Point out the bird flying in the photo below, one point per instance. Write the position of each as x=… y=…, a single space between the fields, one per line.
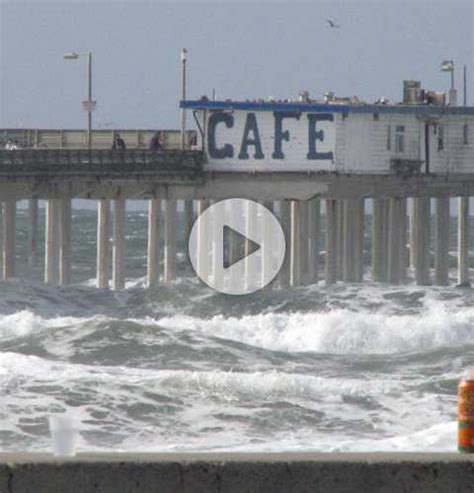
x=332 y=24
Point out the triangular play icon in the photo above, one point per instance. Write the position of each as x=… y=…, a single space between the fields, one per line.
x=240 y=244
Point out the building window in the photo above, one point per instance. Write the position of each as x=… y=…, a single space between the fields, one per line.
x=389 y=137
x=440 y=138
x=465 y=138
x=400 y=139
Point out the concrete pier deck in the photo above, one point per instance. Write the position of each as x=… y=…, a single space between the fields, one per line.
x=238 y=472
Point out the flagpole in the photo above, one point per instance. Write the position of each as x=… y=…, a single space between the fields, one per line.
x=183 y=96
x=465 y=85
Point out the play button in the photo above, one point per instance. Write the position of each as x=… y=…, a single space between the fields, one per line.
x=236 y=246
x=243 y=246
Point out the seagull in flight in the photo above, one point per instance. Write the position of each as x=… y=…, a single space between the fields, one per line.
x=332 y=24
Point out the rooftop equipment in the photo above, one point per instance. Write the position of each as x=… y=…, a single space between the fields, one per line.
x=412 y=92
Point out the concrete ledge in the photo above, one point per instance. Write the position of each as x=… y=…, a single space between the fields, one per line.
x=286 y=472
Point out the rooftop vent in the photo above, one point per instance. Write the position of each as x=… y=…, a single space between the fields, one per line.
x=329 y=96
x=412 y=92
x=304 y=96
x=436 y=97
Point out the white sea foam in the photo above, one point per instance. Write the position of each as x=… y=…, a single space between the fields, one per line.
x=339 y=331
x=398 y=418
x=25 y=322
x=401 y=419
x=256 y=384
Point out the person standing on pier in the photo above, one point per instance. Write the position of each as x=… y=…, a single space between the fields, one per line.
x=118 y=142
x=155 y=142
x=11 y=145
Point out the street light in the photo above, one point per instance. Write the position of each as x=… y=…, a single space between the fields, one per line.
x=89 y=105
x=448 y=66
x=464 y=71
x=184 y=54
x=71 y=56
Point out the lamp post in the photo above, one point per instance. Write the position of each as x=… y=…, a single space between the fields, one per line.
x=465 y=85
x=184 y=53
x=89 y=105
x=448 y=66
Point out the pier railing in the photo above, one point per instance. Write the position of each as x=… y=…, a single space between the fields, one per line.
x=100 y=162
x=100 y=138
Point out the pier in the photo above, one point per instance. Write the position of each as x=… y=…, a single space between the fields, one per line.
x=362 y=192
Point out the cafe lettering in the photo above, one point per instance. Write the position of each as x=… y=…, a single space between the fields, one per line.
x=249 y=144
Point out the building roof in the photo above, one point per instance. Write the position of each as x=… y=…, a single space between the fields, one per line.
x=302 y=107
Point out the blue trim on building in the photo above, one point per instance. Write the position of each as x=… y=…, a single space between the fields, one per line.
x=328 y=108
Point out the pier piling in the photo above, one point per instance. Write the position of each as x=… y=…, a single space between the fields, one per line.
x=331 y=241
x=266 y=246
x=352 y=239
x=394 y=243
x=32 y=245
x=348 y=247
x=305 y=274
x=9 y=230
x=202 y=252
x=217 y=256
x=422 y=241
x=188 y=219
x=378 y=252
x=340 y=239
x=385 y=237
x=152 y=271
x=404 y=251
x=359 y=245
x=412 y=234
x=188 y=224
x=297 y=210
x=441 y=241
x=118 y=267
x=65 y=214
x=285 y=221
x=314 y=232
x=170 y=261
x=52 y=231
x=103 y=213
x=463 y=241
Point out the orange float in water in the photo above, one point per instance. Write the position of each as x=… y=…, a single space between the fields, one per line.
x=466 y=414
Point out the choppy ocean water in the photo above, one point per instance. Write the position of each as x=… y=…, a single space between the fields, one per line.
x=180 y=367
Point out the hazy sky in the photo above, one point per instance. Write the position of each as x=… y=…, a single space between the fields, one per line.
x=243 y=50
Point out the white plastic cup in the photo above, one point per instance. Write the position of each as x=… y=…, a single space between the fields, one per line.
x=64 y=432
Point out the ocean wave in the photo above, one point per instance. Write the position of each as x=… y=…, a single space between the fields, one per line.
x=339 y=331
